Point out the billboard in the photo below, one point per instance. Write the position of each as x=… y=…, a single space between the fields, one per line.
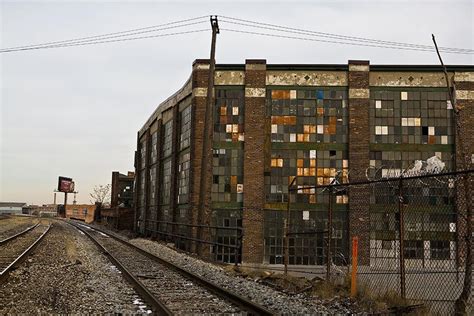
x=65 y=185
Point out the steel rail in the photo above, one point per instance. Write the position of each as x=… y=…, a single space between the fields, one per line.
x=157 y=306
x=23 y=255
x=18 y=235
x=243 y=303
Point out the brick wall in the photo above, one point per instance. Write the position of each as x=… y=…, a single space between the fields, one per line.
x=200 y=78
x=358 y=148
x=254 y=157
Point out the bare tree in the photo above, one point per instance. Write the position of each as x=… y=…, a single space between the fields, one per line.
x=101 y=194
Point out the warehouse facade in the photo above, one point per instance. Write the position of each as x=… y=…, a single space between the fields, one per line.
x=275 y=123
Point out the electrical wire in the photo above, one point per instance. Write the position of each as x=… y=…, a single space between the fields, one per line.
x=320 y=36
x=108 y=41
x=337 y=42
x=114 y=34
x=337 y=36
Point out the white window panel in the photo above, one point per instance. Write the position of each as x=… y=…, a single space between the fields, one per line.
x=320 y=129
x=444 y=140
x=378 y=104
x=274 y=128
x=306 y=215
x=404 y=95
x=411 y=121
x=431 y=130
x=384 y=130
x=404 y=121
x=449 y=106
x=417 y=121
x=292 y=94
x=235 y=110
x=293 y=138
x=378 y=130
x=312 y=154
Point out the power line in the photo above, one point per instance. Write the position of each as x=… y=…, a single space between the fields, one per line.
x=114 y=34
x=401 y=45
x=338 y=36
x=108 y=41
x=337 y=42
x=69 y=43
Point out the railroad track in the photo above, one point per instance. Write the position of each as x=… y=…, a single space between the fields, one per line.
x=16 y=248
x=168 y=288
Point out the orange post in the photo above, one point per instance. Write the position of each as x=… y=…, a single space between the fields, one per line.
x=355 y=245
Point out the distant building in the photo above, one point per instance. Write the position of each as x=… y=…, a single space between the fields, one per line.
x=83 y=212
x=45 y=209
x=11 y=207
x=120 y=214
x=122 y=189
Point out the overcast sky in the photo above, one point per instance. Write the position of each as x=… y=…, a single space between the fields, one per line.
x=76 y=111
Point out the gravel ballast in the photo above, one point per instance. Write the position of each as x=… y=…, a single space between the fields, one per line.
x=270 y=298
x=67 y=274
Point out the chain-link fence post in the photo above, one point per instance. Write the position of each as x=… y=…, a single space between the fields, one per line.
x=329 y=229
x=401 y=237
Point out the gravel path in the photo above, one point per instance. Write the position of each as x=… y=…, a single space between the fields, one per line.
x=67 y=274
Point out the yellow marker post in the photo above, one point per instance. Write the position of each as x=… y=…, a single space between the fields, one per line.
x=355 y=245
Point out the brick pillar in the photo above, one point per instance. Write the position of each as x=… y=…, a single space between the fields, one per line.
x=254 y=159
x=114 y=190
x=174 y=168
x=465 y=103
x=200 y=76
x=147 y=181
x=359 y=138
x=136 y=164
x=158 y=174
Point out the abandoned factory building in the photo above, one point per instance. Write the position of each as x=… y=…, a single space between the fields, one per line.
x=274 y=123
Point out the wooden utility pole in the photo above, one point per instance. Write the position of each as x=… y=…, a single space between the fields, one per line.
x=462 y=302
x=206 y=140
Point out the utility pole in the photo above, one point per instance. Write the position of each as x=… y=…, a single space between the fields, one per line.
x=208 y=124
x=462 y=301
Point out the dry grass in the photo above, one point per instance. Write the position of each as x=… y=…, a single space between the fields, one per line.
x=367 y=300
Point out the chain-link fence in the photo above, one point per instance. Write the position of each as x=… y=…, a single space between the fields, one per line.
x=414 y=236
